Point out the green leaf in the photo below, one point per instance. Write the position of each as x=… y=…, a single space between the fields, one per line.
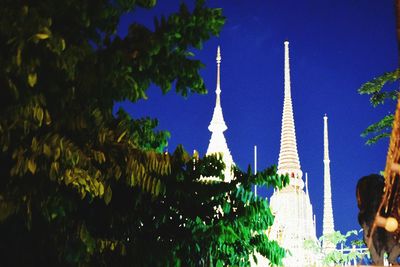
x=18 y=57
x=31 y=166
x=32 y=79
x=121 y=136
x=63 y=45
x=101 y=189
x=46 y=150
x=255 y=259
x=42 y=36
x=39 y=115
x=108 y=195
x=47 y=118
x=380 y=129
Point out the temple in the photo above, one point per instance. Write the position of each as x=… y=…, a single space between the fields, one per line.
x=294 y=220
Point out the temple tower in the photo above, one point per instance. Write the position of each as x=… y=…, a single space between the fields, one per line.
x=289 y=162
x=328 y=224
x=217 y=128
x=294 y=221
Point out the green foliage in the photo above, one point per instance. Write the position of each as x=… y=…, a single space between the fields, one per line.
x=226 y=222
x=374 y=89
x=81 y=187
x=337 y=238
x=381 y=129
x=339 y=256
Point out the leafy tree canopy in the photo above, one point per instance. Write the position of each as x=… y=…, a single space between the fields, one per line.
x=378 y=96
x=345 y=252
x=79 y=186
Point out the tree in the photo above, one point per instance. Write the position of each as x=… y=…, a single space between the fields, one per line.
x=347 y=252
x=378 y=96
x=79 y=186
x=383 y=128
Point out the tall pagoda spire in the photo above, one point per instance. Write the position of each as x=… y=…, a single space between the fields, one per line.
x=217 y=123
x=291 y=206
x=217 y=127
x=328 y=225
x=289 y=162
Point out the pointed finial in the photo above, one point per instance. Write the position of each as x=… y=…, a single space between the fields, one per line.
x=218 y=58
x=287 y=70
x=218 y=55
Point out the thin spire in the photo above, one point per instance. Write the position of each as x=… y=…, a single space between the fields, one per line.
x=217 y=123
x=328 y=224
x=218 y=126
x=287 y=71
x=218 y=58
x=289 y=162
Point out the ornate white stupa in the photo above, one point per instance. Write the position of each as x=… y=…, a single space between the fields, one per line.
x=217 y=128
x=328 y=224
x=294 y=220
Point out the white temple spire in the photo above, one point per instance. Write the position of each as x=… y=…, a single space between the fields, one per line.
x=289 y=162
x=291 y=206
x=217 y=127
x=217 y=123
x=328 y=224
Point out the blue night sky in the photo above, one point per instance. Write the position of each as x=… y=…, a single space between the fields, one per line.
x=335 y=47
